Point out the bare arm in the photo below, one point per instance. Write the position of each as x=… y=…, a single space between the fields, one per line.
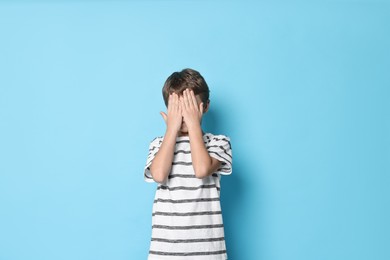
x=204 y=165
x=162 y=162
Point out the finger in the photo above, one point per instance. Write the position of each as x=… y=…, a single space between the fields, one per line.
x=189 y=99
x=180 y=108
x=170 y=101
x=193 y=99
x=183 y=104
x=182 y=101
x=175 y=101
x=186 y=99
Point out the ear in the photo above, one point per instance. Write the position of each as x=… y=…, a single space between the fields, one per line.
x=206 y=108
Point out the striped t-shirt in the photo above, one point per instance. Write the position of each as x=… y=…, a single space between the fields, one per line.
x=187 y=216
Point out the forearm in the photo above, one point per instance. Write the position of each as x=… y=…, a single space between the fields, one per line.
x=162 y=162
x=201 y=160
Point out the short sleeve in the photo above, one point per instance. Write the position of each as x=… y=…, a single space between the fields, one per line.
x=220 y=148
x=154 y=146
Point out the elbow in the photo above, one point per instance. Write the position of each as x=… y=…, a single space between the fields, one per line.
x=158 y=177
x=202 y=171
x=200 y=174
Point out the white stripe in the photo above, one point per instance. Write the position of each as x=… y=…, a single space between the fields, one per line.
x=187 y=221
x=187 y=247
x=189 y=181
x=187 y=207
x=200 y=257
x=187 y=234
x=187 y=194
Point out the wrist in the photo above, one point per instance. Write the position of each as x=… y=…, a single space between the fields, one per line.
x=195 y=128
x=171 y=132
x=193 y=124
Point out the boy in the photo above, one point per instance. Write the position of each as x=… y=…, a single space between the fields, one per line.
x=186 y=163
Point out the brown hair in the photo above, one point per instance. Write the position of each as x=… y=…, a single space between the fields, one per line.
x=187 y=78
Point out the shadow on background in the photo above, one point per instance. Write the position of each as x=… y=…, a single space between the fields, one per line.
x=241 y=206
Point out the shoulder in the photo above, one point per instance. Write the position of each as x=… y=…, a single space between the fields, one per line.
x=217 y=138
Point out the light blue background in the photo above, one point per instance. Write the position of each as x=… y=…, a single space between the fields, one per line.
x=301 y=87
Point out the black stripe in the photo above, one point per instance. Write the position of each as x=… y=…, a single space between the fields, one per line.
x=187 y=141
x=226 y=150
x=190 y=163
x=218 y=139
x=224 y=139
x=187 y=227
x=223 y=149
x=180 y=176
x=215 y=140
x=184 y=214
x=188 y=240
x=151 y=156
x=147 y=176
x=151 y=149
x=212 y=146
x=186 y=175
x=155 y=139
x=220 y=156
x=183 y=141
x=154 y=146
x=187 y=254
x=181 y=151
x=163 y=187
x=186 y=200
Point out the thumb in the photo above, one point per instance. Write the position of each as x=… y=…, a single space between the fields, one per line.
x=164 y=116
